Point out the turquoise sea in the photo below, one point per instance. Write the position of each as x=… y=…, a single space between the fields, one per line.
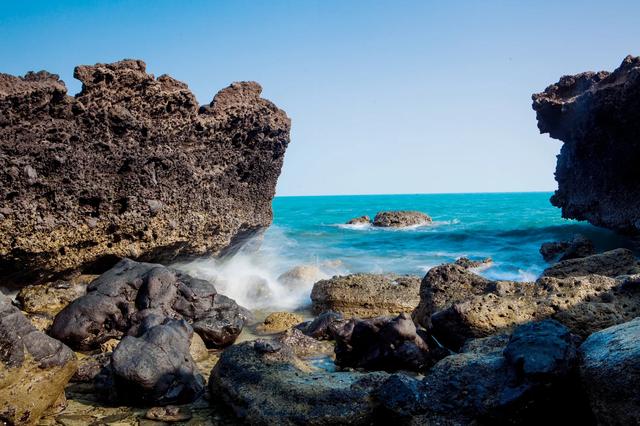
x=508 y=227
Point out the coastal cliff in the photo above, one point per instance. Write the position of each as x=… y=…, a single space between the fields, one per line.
x=597 y=116
x=131 y=166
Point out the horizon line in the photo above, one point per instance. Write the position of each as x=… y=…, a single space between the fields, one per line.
x=416 y=193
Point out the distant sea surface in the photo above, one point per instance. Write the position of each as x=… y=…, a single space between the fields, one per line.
x=508 y=227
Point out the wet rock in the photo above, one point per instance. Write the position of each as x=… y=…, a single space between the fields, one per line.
x=400 y=219
x=34 y=368
x=362 y=220
x=258 y=385
x=597 y=116
x=156 y=368
x=444 y=285
x=610 y=264
x=366 y=295
x=583 y=304
x=324 y=326
x=385 y=343
x=132 y=295
x=532 y=381
x=301 y=276
x=303 y=345
x=131 y=166
x=467 y=263
x=277 y=322
x=610 y=373
x=578 y=246
x=90 y=366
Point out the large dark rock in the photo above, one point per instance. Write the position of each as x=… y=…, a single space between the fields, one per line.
x=130 y=167
x=597 y=116
x=385 y=343
x=530 y=380
x=156 y=368
x=611 y=263
x=133 y=295
x=34 y=368
x=578 y=246
x=610 y=372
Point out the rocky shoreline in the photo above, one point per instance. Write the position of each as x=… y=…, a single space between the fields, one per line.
x=98 y=334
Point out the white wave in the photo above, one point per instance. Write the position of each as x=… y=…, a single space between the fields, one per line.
x=419 y=226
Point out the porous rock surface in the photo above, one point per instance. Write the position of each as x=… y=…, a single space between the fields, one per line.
x=34 y=368
x=400 y=219
x=366 y=295
x=597 y=117
x=131 y=166
x=610 y=372
x=611 y=263
x=458 y=305
x=132 y=295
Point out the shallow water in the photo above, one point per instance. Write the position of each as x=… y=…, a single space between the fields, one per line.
x=509 y=227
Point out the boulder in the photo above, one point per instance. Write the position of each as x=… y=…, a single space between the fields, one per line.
x=400 y=219
x=362 y=220
x=131 y=166
x=132 y=295
x=584 y=304
x=597 y=117
x=156 y=368
x=323 y=327
x=34 y=368
x=385 y=343
x=610 y=372
x=265 y=383
x=366 y=295
x=578 y=246
x=610 y=264
x=301 y=276
x=277 y=322
x=529 y=380
x=444 y=285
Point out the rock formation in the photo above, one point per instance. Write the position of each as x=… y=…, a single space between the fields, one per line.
x=611 y=263
x=366 y=295
x=34 y=368
x=400 y=219
x=130 y=167
x=597 y=116
x=578 y=246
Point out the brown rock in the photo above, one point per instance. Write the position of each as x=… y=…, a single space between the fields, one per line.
x=277 y=322
x=400 y=219
x=131 y=166
x=366 y=295
x=362 y=220
x=610 y=263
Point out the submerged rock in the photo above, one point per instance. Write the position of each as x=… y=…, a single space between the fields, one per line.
x=301 y=276
x=578 y=246
x=268 y=384
x=610 y=263
x=400 y=219
x=366 y=295
x=362 y=220
x=156 y=368
x=610 y=372
x=34 y=368
x=385 y=343
x=597 y=116
x=131 y=166
x=133 y=295
x=458 y=305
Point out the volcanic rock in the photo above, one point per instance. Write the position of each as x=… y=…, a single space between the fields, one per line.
x=597 y=116
x=400 y=219
x=610 y=372
x=135 y=295
x=130 y=167
x=366 y=295
x=578 y=246
x=34 y=368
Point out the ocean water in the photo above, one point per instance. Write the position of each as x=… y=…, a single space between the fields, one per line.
x=508 y=227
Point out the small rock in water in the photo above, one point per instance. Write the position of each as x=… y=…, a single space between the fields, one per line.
x=465 y=262
x=301 y=276
x=170 y=413
x=362 y=220
x=400 y=219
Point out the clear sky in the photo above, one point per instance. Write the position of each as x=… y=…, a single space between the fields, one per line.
x=385 y=96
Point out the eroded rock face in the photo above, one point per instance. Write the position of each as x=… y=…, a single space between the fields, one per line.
x=366 y=295
x=578 y=246
x=610 y=371
x=597 y=116
x=156 y=368
x=34 y=368
x=400 y=219
x=130 y=167
x=132 y=296
x=611 y=263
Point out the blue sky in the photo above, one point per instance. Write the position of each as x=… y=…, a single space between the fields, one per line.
x=385 y=96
